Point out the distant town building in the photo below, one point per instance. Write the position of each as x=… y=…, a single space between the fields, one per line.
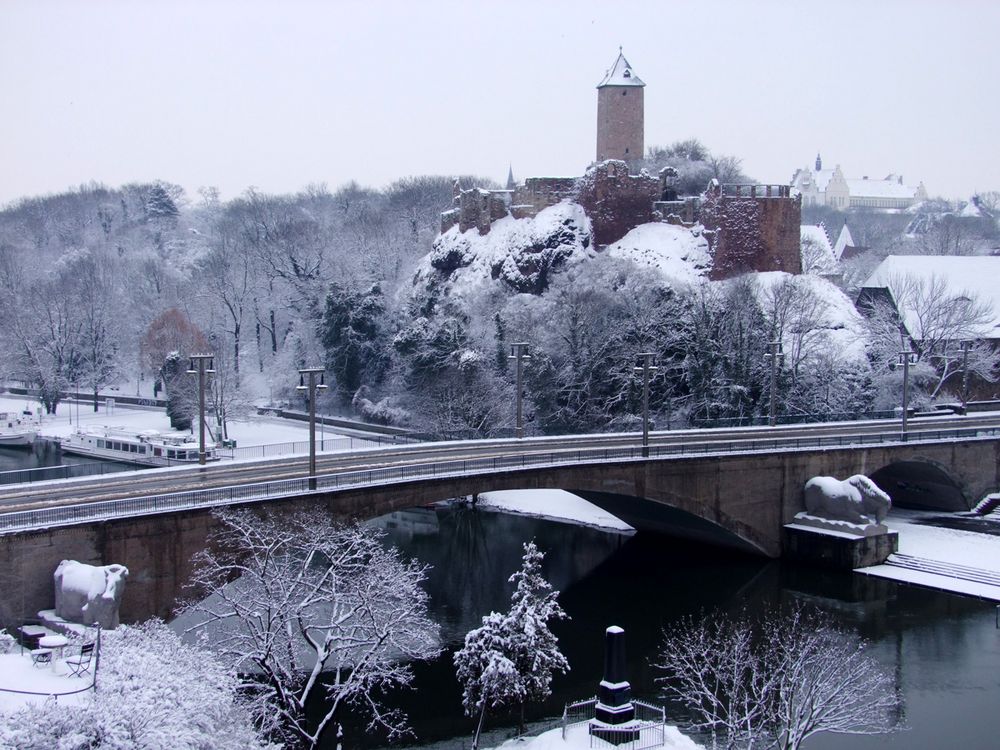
x=829 y=187
x=620 y=117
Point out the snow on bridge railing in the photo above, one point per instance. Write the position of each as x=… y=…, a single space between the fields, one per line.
x=104 y=510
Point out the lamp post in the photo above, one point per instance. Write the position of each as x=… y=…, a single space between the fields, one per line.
x=966 y=346
x=906 y=357
x=312 y=372
x=519 y=352
x=203 y=364
x=774 y=355
x=646 y=367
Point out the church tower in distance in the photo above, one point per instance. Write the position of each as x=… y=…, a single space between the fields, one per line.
x=620 y=113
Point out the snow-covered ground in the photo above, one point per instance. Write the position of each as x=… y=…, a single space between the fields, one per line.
x=257 y=431
x=979 y=550
x=679 y=253
x=18 y=673
x=577 y=738
x=555 y=505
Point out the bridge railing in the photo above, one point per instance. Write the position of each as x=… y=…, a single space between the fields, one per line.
x=18 y=521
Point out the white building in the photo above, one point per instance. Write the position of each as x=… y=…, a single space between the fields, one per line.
x=829 y=187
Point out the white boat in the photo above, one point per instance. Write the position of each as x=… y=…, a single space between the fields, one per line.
x=149 y=447
x=17 y=430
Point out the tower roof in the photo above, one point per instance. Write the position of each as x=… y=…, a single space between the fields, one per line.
x=620 y=74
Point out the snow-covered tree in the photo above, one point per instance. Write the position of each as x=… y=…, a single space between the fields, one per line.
x=511 y=658
x=938 y=319
x=153 y=692
x=312 y=611
x=775 y=681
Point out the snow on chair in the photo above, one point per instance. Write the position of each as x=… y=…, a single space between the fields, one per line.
x=79 y=664
x=40 y=656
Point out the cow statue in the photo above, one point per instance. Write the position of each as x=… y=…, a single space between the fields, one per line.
x=856 y=499
x=89 y=594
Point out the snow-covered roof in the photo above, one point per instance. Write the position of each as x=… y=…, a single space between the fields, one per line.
x=621 y=74
x=972 y=276
x=970 y=210
x=844 y=240
x=880 y=189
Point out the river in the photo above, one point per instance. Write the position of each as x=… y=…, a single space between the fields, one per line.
x=943 y=650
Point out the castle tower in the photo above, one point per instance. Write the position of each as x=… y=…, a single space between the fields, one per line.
x=819 y=163
x=620 y=113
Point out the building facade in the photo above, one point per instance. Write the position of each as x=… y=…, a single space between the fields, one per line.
x=830 y=187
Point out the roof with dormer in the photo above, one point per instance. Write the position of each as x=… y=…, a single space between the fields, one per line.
x=621 y=74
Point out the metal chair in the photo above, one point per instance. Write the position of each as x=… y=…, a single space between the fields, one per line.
x=79 y=664
x=41 y=656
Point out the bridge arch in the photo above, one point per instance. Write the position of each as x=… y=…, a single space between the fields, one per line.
x=922 y=484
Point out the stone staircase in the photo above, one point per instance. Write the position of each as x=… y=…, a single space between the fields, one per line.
x=988 y=504
x=948 y=570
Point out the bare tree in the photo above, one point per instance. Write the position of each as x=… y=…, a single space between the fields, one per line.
x=775 y=682
x=824 y=681
x=710 y=668
x=313 y=610
x=939 y=318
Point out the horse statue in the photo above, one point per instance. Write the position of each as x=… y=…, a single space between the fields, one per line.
x=89 y=594
x=856 y=499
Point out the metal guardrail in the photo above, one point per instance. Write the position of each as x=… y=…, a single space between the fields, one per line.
x=18 y=521
x=646 y=730
x=340 y=443
x=65 y=471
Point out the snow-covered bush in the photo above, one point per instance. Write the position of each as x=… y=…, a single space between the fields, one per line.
x=154 y=692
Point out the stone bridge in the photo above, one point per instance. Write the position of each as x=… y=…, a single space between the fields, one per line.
x=741 y=500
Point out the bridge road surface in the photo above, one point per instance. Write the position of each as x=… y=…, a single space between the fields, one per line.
x=152 y=482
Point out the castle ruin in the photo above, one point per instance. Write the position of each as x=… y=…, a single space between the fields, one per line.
x=749 y=227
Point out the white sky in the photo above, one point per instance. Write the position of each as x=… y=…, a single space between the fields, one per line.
x=279 y=95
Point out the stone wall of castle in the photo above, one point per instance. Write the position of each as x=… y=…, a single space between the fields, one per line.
x=538 y=193
x=615 y=200
x=753 y=229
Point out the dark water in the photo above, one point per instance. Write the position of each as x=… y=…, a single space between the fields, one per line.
x=944 y=650
x=45 y=454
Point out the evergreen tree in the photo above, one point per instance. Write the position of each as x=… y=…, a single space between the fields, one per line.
x=354 y=337
x=510 y=659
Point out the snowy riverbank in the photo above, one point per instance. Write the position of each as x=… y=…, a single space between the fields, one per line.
x=553 y=505
x=958 y=552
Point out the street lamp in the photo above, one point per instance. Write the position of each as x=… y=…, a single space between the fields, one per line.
x=203 y=364
x=966 y=346
x=646 y=367
x=312 y=372
x=774 y=355
x=519 y=352
x=907 y=357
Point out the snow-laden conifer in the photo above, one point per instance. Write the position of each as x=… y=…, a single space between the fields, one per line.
x=511 y=658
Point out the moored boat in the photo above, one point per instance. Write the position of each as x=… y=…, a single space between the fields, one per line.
x=17 y=430
x=148 y=447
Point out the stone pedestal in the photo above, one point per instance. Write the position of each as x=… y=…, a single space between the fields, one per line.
x=839 y=546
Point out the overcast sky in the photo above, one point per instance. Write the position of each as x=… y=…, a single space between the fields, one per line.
x=278 y=95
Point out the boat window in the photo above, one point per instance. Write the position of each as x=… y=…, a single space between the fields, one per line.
x=171 y=453
x=100 y=443
x=157 y=452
